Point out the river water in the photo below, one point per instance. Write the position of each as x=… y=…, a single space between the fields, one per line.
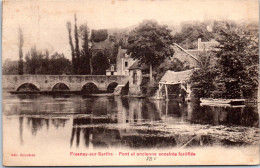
x=79 y=122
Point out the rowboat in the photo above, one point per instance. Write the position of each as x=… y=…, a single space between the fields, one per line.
x=222 y=105
x=222 y=101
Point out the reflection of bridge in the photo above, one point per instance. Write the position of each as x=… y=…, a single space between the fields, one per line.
x=70 y=82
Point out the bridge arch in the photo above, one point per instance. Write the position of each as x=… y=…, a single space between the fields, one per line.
x=89 y=88
x=27 y=87
x=111 y=87
x=60 y=87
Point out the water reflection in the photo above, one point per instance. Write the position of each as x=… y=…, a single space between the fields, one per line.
x=98 y=122
x=236 y=115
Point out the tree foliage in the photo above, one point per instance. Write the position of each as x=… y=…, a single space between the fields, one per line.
x=59 y=65
x=10 y=67
x=100 y=64
x=233 y=73
x=85 y=57
x=189 y=34
x=21 y=41
x=37 y=62
x=99 y=35
x=72 y=48
x=34 y=60
x=238 y=61
x=77 y=51
x=202 y=79
x=150 y=43
x=81 y=56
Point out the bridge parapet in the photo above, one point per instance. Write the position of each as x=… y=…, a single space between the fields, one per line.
x=47 y=82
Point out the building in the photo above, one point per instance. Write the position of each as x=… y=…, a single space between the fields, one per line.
x=179 y=79
x=188 y=59
x=136 y=76
x=137 y=72
x=111 y=70
x=123 y=62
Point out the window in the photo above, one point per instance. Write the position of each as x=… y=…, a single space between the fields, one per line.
x=112 y=68
x=134 y=77
x=126 y=64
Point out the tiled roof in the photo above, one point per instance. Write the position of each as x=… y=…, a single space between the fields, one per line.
x=136 y=65
x=194 y=57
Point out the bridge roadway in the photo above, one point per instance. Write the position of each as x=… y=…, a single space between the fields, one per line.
x=48 y=82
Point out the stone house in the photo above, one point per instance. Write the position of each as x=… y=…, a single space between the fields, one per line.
x=111 y=70
x=123 y=62
x=138 y=73
x=184 y=56
x=136 y=76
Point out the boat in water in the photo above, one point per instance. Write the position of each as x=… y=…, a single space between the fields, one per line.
x=222 y=101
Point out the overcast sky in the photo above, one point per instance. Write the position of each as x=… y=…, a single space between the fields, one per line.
x=44 y=22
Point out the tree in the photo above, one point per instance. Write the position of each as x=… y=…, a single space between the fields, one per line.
x=232 y=70
x=150 y=43
x=189 y=34
x=10 y=67
x=100 y=64
x=33 y=61
x=238 y=62
x=59 y=65
x=77 y=52
x=38 y=62
x=202 y=79
x=21 y=41
x=85 y=58
x=99 y=35
x=72 y=48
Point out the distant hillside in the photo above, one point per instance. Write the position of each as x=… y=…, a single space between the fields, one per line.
x=114 y=39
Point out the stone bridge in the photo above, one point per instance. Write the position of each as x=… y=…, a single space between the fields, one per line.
x=71 y=82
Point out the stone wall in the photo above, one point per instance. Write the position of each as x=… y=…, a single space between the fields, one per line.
x=47 y=82
x=135 y=88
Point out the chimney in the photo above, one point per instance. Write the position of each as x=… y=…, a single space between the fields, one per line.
x=199 y=43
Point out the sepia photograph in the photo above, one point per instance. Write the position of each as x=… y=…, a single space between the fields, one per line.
x=130 y=82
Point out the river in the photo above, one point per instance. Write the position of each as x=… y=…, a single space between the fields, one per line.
x=74 y=121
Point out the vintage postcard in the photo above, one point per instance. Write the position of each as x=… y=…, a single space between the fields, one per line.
x=130 y=82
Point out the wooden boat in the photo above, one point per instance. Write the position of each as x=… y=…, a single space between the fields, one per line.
x=222 y=101
x=222 y=105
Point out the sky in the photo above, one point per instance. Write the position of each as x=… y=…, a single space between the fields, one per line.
x=43 y=22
